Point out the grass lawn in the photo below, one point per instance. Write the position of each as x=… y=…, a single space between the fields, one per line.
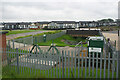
x=59 y=41
x=20 y=31
x=40 y=34
x=11 y=72
x=50 y=32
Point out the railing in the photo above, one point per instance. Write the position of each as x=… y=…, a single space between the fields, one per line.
x=109 y=47
x=66 y=65
x=23 y=42
x=78 y=48
x=48 y=37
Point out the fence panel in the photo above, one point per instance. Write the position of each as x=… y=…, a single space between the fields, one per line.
x=67 y=65
x=22 y=42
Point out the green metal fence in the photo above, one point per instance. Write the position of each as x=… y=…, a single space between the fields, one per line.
x=38 y=39
x=24 y=42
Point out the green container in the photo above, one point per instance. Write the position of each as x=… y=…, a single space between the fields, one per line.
x=95 y=44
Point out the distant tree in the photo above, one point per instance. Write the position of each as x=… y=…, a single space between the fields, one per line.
x=46 y=27
x=106 y=20
x=110 y=20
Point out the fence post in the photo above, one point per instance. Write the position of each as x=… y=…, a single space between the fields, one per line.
x=115 y=44
x=35 y=41
x=118 y=55
x=24 y=45
x=17 y=60
x=32 y=40
x=118 y=32
x=9 y=43
x=62 y=64
x=13 y=44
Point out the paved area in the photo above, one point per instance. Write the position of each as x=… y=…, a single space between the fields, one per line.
x=113 y=32
x=9 y=37
x=27 y=47
x=112 y=35
x=43 y=48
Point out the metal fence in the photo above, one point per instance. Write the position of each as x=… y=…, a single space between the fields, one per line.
x=109 y=46
x=68 y=64
x=39 y=39
x=23 y=42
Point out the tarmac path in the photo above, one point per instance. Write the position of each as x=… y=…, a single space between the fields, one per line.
x=9 y=37
x=112 y=35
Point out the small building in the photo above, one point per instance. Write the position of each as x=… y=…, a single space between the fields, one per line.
x=43 y=24
x=63 y=24
x=87 y=24
x=33 y=26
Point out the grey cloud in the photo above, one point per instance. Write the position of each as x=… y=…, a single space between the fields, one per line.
x=58 y=10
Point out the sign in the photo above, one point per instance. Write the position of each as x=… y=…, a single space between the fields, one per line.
x=93 y=49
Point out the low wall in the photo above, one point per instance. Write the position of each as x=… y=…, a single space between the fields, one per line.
x=83 y=32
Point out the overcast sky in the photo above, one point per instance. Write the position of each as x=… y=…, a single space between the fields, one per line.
x=49 y=10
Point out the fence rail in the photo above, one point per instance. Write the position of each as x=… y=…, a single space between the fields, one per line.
x=66 y=65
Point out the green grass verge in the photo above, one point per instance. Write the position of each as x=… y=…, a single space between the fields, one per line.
x=60 y=43
x=20 y=31
x=23 y=37
x=8 y=72
x=11 y=72
x=40 y=34
x=50 y=32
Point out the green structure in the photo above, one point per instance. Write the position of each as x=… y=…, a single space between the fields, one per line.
x=95 y=44
x=53 y=47
x=44 y=37
x=36 y=47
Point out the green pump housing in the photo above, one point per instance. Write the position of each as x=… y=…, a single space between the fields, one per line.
x=95 y=44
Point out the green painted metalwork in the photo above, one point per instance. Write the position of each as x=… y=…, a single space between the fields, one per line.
x=37 y=48
x=44 y=37
x=31 y=40
x=52 y=47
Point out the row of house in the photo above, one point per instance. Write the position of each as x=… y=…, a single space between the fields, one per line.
x=74 y=24
x=55 y=24
x=16 y=25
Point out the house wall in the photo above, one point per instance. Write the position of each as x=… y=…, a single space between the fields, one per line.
x=44 y=25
